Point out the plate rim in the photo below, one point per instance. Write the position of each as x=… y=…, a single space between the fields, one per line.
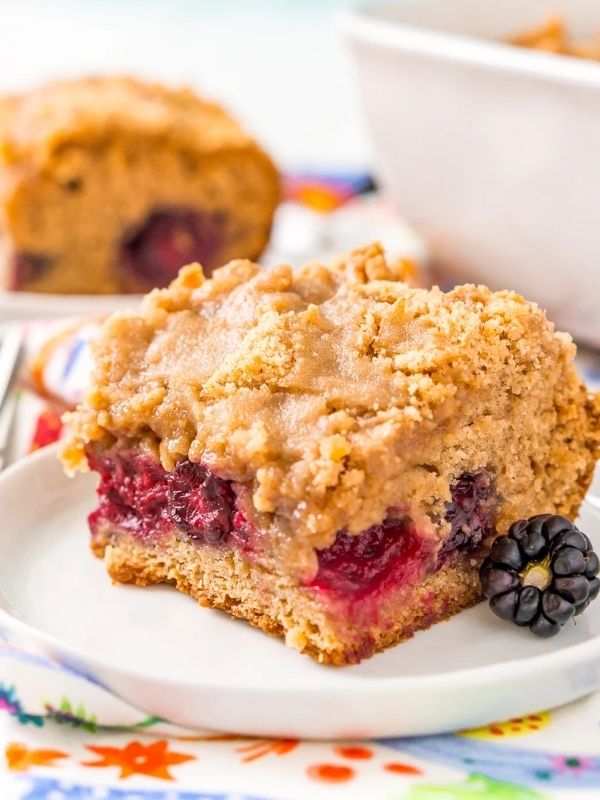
x=476 y=677
x=49 y=305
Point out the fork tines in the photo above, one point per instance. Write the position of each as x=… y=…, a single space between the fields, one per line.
x=11 y=346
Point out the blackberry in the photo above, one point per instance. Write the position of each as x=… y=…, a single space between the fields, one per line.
x=541 y=574
x=28 y=267
x=199 y=503
x=170 y=238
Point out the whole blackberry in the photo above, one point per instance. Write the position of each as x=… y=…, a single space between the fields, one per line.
x=541 y=574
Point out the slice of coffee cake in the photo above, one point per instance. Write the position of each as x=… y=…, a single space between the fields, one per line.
x=328 y=453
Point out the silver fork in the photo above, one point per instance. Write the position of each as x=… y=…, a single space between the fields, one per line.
x=11 y=348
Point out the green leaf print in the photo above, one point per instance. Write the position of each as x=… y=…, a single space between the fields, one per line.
x=76 y=717
x=475 y=787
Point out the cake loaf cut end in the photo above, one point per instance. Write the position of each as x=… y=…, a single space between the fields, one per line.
x=110 y=185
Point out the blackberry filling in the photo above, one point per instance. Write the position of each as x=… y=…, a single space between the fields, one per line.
x=357 y=565
x=471 y=512
x=199 y=503
x=132 y=495
x=168 y=239
x=28 y=267
x=138 y=495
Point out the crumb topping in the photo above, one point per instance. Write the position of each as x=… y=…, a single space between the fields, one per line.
x=553 y=36
x=338 y=391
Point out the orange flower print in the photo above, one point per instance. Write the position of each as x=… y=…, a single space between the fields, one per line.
x=399 y=768
x=19 y=757
x=354 y=752
x=139 y=759
x=259 y=749
x=330 y=773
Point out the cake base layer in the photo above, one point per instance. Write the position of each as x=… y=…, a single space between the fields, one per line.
x=223 y=579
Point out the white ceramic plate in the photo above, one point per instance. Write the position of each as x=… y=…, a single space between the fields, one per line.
x=38 y=305
x=197 y=667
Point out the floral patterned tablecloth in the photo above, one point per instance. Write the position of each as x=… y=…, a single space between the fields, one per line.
x=63 y=737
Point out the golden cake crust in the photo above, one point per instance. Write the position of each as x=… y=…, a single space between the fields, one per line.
x=34 y=127
x=336 y=393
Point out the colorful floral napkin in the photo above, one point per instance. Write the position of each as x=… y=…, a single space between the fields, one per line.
x=66 y=738
x=63 y=737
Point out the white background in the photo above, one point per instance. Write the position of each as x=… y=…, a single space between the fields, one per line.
x=280 y=66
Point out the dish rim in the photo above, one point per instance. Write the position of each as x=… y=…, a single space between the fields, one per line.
x=365 y=25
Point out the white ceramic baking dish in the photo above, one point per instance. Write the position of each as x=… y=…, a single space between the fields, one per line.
x=492 y=151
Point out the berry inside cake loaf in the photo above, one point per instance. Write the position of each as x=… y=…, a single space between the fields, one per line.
x=111 y=185
x=327 y=453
